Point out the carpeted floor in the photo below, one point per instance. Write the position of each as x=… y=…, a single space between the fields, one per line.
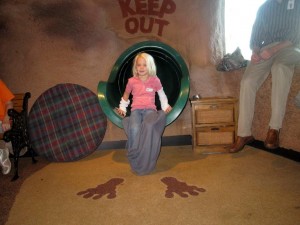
x=9 y=190
x=250 y=187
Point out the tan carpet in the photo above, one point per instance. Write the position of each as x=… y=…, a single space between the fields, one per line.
x=9 y=190
x=252 y=187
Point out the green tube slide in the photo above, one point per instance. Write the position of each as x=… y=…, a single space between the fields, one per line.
x=171 y=70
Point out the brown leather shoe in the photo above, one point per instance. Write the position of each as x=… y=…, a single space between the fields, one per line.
x=240 y=143
x=272 y=140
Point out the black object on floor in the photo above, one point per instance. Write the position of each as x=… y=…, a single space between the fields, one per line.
x=287 y=153
x=187 y=140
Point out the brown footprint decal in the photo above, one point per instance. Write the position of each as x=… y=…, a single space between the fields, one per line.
x=108 y=188
x=175 y=186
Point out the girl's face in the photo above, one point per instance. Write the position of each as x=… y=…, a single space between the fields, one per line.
x=141 y=67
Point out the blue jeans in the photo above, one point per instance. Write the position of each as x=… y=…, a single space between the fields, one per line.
x=136 y=118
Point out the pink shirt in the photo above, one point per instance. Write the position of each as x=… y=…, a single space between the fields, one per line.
x=143 y=92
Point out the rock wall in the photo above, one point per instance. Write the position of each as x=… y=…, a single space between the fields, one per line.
x=44 y=43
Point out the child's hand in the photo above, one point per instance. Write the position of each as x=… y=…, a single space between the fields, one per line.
x=121 y=112
x=168 y=109
x=6 y=124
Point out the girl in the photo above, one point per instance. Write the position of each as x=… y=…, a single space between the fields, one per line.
x=145 y=125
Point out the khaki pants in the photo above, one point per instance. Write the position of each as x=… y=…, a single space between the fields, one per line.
x=281 y=67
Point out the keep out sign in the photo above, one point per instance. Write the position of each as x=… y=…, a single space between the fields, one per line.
x=146 y=16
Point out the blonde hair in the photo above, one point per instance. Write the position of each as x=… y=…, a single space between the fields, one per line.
x=149 y=62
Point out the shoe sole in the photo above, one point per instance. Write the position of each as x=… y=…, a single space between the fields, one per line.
x=271 y=147
x=248 y=142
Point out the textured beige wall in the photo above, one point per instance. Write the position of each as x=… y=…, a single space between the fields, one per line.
x=44 y=43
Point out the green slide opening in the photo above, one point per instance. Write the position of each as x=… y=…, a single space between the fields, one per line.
x=171 y=70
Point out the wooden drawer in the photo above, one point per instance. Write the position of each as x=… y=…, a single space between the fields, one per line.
x=215 y=135
x=214 y=113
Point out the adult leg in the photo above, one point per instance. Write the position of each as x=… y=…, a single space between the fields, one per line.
x=252 y=79
x=282 y=75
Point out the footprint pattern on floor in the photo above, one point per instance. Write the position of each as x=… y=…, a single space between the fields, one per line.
x=108 y=188
x=177 y=187
x=174 y=186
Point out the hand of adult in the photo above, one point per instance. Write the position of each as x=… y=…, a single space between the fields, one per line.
x=266 y=53
x=255 y=58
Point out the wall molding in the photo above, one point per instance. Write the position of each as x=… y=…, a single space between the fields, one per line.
x=181 y=140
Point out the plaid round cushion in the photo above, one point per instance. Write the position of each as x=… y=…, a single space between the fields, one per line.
x=66 y=123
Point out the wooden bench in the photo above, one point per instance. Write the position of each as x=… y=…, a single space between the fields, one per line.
x=18 y=134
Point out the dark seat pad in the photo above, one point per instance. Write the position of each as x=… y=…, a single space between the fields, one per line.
x=66 y=123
